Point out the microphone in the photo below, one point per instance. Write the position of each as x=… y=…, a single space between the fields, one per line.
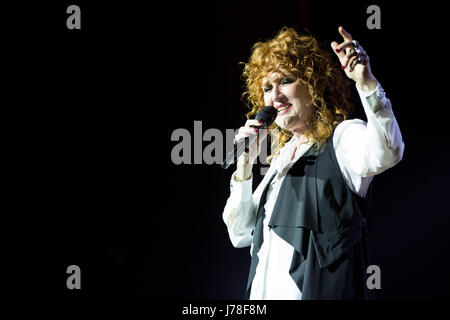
x=267 y=116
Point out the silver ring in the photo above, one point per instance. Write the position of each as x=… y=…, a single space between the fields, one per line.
x=355 y=43
x=359 y=60
x=357 y=50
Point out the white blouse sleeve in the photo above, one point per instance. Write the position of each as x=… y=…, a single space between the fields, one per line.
x=367 y=149
x=240 y=210
x=239 y=213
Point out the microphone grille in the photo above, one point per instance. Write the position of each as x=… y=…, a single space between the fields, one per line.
x=267 y=115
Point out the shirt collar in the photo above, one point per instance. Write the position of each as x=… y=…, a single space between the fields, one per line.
x=288 y=149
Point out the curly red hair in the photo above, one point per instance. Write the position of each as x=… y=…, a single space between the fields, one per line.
x=301 y=56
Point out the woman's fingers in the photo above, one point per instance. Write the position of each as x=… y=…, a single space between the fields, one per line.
x=352 y=62
x=248 y=129
x=342 y=46
x=337 y=51
x=354 y=56
x=245 y=132
x=252 y=122
x=350 y=54
x=348 y=58
x=347 y=36
x=251 y=127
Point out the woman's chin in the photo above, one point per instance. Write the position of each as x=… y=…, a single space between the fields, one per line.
x=289 y=122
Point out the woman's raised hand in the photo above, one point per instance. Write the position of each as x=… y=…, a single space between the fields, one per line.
x=354 y=60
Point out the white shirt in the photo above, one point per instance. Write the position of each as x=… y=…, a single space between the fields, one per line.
x=362 y=151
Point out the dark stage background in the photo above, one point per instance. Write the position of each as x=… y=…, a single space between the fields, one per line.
x=87 y=118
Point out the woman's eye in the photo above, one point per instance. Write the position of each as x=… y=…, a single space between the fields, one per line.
x=286 y=80
x=282 y=81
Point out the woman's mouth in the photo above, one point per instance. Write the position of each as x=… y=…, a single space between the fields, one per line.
x=282 y=109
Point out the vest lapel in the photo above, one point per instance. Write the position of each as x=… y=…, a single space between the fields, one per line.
x=296 y=204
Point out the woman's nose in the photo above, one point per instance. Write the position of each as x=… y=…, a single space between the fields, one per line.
x=276 y=93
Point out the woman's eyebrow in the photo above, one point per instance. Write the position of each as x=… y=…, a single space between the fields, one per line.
x=274 y=79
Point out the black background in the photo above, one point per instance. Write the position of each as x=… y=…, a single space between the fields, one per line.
x=87 y=118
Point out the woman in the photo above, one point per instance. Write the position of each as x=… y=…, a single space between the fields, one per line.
x=305 y=222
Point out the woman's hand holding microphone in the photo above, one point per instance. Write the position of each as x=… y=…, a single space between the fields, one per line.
x=246 y=160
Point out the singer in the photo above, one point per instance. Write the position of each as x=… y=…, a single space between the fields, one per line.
x=306 y=221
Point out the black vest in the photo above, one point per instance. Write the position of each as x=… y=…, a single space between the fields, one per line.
x=318 y=214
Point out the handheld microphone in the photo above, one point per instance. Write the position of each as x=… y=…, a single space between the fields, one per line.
x=267 y=116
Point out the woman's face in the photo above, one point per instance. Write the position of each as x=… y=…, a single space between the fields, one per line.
x=290 y=97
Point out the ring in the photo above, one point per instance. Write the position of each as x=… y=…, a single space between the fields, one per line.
x=359 y=60
x=355 y=43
